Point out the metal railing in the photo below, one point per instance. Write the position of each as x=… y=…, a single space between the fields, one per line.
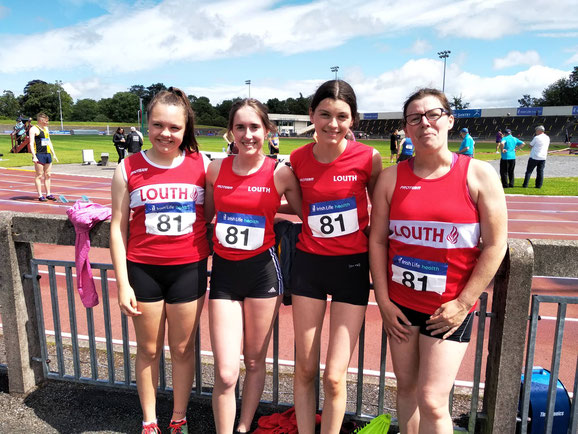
x=67 y=359
x=563 y=303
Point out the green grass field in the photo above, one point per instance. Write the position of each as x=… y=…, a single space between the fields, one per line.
x=69 y=150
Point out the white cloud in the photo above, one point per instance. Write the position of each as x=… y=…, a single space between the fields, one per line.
x=515 y=58
x=559 y=35
x=152 y=35
x=420 y=46
x=573 y=60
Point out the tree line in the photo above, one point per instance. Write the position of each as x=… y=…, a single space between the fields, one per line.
x=39 y=96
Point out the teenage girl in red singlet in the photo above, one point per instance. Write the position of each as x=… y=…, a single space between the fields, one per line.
x=336 y=176
x=428 y=215
x=246 y=283
x=161 y=267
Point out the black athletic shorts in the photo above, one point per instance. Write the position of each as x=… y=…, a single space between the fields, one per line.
x=171 y=283
x=256 y=277
x=345 y=278
x=418 y=319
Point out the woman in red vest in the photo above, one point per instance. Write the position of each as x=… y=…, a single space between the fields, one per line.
x=428 y=217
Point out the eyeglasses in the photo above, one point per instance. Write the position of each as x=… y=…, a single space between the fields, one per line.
x=431 y=115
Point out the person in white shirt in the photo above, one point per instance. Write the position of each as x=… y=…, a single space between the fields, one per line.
x=538 y=154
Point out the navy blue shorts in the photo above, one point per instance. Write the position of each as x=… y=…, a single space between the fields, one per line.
x=44 y=157
x=418 y=319
x=345 y=277
x=255 y=277
x=171 y=283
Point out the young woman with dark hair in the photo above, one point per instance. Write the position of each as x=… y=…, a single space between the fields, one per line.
x=336 y=176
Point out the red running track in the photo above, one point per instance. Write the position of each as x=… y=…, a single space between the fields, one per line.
x=551 y=217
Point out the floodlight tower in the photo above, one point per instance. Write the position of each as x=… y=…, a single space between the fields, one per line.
x=248 y=83
x=59 y=84
x=444 y=55
x=335 y=69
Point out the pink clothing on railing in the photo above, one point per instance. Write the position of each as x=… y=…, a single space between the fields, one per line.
x=83 y=216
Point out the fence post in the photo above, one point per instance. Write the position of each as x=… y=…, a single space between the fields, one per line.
x=18 y=311
x=506 y=343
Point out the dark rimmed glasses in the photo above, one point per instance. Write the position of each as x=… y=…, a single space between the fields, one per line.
x=431 y=115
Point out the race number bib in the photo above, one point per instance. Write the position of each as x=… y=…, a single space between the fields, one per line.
x=45 y=143
x=170 y=218
x=419 y=274
x=240 y=231
x=334 y=218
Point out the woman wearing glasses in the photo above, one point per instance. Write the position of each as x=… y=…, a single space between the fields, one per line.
x=429 y=214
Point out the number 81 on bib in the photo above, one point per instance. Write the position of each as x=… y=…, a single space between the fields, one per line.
x=240 y=231
x=333 y=218
x=420 y=274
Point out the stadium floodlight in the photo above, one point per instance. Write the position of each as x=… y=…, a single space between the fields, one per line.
x=248 y=83
x=59 y=84
x=335 y=69
x=444 y=55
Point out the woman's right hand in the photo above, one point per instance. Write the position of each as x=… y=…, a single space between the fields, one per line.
x=127 y=302
x=395 y=323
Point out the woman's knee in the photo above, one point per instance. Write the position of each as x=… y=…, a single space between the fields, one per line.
x=306 y=373
x=148 y=352
x=182 y=352
x=254 y=364
x=433 y=405
x=333 y=383
x=226 y=377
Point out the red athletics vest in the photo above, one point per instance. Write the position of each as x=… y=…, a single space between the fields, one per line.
x=168 y=223
x=245 y=208
x=434 y=234
x=334 y=200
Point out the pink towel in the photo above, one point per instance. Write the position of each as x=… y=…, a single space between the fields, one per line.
x=83 y=216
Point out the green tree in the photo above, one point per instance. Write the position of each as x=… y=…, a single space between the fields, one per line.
x=224 y=107
x=85 y=110
x=122 y=107
x=9 y=105
x=205 y=113
x=40 y=96
x=276 y=106
x=457 y=103
x=563 y=91
x=528 y=101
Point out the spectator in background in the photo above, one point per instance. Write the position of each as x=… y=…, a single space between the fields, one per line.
x=231 y=146
x=393 y=145
x=19 y=130
x=538 y=154
x=405 y=149
x=467 y=146
x=499 y=137
x=133 y=141
x=509 y=145
x=273 y=144
x=119 y=143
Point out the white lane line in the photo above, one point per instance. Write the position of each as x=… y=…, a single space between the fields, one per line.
x=544 y=221
x=545 y=234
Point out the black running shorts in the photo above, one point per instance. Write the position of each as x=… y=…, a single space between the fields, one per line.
x=171 y=283
x=255 y=277
x=345 y=278
x=462 y=334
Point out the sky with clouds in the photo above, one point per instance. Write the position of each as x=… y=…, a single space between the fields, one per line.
x=500 y=49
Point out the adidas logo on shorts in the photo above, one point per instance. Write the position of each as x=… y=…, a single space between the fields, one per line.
x=272 y=291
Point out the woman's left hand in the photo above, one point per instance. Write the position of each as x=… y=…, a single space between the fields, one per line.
x=447 y=318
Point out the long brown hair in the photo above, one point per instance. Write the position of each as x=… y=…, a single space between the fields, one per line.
x=260 y=109
x=337 y=90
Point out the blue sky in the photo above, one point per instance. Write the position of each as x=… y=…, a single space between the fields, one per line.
x=500 y=49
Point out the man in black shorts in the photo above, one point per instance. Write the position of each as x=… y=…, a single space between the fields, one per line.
x=394 y=143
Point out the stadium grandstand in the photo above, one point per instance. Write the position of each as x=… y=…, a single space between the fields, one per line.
x=484 y=123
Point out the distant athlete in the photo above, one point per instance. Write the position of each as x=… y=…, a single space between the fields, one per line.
x=43 y=152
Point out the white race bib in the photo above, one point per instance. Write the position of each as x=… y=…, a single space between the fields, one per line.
x=419 y=274
x=170 y=218
x=333 y=218
x=240 y=231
